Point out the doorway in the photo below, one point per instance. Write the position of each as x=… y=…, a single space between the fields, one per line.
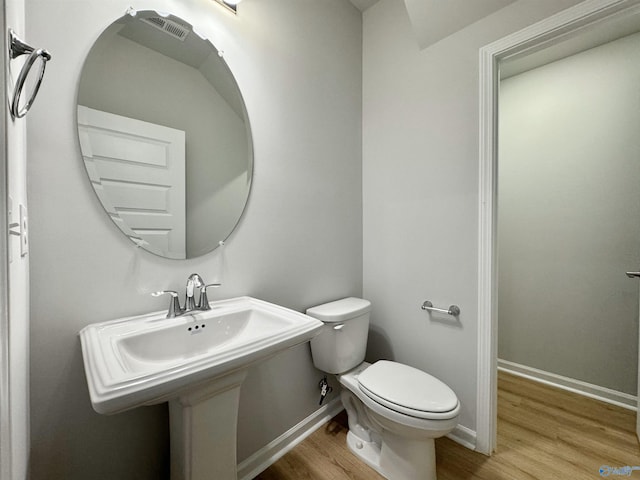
x=566 y=33
x=567 y=225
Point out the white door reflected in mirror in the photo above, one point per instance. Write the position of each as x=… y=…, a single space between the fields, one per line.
x=138 y=171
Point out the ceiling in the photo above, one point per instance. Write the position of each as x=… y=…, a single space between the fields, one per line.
x=433 y=20
x=362 y=5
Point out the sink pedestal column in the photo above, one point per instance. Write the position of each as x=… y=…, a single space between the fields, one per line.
x=203 y=425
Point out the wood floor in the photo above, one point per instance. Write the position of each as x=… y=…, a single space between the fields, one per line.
x=543 y=433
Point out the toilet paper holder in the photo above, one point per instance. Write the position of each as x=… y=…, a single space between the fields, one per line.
x=453 y=310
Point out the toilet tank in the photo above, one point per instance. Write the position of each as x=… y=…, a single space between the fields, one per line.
x=342 y=342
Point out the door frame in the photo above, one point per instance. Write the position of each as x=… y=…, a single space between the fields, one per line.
x=5 y=412
x=5 y=409
x=554 y=29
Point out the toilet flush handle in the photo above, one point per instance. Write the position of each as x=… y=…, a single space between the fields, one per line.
x=338 y=327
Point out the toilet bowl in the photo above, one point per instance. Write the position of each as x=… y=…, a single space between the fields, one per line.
x=395 y=411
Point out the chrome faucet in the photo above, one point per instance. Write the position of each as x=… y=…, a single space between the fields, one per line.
x=194 y=281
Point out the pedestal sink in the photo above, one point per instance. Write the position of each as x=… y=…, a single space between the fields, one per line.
x=196 y=362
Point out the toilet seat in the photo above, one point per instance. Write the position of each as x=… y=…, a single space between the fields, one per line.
x=409 y=391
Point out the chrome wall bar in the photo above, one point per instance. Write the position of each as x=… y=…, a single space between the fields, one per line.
x=453 y=310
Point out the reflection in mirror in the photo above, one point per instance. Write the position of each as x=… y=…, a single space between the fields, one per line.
x=164 y=135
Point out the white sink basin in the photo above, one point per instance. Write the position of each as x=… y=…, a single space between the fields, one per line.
x=150 y=359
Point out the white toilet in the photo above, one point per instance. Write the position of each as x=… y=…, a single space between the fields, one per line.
x=395 y=411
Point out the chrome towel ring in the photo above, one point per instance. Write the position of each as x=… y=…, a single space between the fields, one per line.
x=16 y=48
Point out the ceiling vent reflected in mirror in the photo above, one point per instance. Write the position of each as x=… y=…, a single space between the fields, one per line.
x=169 y=27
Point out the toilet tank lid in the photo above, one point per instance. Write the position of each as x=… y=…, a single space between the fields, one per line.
x=340 y=310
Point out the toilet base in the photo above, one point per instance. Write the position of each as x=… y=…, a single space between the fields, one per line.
x=397 y=459
x=368 y=452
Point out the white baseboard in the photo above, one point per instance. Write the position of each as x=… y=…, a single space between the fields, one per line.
x=273 y=451
x=603 y=394
x=464 y=436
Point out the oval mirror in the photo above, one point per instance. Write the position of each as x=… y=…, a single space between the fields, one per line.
x=164 y=135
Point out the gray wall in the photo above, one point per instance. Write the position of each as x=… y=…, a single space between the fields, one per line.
x=568 y=215
x=298 y=63
x=420 y=194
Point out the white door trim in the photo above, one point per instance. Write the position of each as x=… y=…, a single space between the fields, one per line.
x=5 y=412
x=544 y=33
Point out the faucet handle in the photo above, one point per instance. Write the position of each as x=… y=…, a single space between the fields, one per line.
x=175 y=310
x=204 y=301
